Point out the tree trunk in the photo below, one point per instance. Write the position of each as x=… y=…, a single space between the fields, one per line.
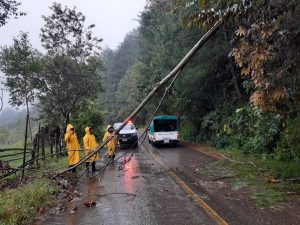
x=234 y=76
x=51 y=145
x=38 y=144
x=67 y=119
x=27 y=108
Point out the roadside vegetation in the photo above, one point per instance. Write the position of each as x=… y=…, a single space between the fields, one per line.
x=22 y=204
x=240 y=93
x=22 y=200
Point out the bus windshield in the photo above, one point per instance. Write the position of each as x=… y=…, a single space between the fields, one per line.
x=165 y=125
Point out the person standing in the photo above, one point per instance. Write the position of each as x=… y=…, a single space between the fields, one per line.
x=112 y=144
x=90 y=144
x=72 y=146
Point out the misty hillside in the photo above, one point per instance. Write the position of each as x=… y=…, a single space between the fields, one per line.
x=10 y=115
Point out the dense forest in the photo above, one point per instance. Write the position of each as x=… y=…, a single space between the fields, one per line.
x=239 y=92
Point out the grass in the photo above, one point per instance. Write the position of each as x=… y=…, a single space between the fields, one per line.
x=260 y=176
x=56 y=163
x=269 y=198
x=21 y=205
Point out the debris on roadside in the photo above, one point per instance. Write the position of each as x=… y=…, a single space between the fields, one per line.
x=89 y=203
x=195 y=183
x=64 y=183
x=72 y=212
x=222 y=178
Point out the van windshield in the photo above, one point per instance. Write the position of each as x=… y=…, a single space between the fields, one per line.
x=127 y=127
x=165 y=125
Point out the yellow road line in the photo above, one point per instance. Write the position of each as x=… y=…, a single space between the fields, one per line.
x=215 y=216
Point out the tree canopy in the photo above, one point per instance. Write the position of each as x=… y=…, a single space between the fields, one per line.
x=21 y=65
x=71 y=67
x=8 y=9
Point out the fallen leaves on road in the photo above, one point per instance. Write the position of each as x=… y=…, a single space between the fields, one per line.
x=64 y=183
x=73 y=210
x=89 y=204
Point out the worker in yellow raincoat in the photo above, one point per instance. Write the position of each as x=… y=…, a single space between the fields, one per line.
x=72 y=146
x=90 y=144
x=112 y=144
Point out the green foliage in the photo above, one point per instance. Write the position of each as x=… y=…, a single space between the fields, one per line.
x=259 y=32
x=64 y=33
x=8 y=9
x=20 y=64
x=71 y=68
x=289 y=146
x=283 y=169
x=249 y=129
x=54 y=164
x=89 y=116
x=119 y=79
x=187 y=131
x=254 y=130
x=127 y=94
x=268 y=198
x=21 y=205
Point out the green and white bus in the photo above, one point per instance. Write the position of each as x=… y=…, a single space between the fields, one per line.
x=164 y=130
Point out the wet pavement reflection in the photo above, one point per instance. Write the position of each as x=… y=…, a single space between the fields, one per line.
x=138 y=192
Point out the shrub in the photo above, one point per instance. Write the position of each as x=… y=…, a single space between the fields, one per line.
x=289 y=145
x=20 y=205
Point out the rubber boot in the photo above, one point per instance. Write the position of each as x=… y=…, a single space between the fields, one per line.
x=73 y=170
x=87 y=164
x=113 y=159
x=93 y=166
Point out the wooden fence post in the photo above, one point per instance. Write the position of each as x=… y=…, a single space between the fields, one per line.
x=33 y=150
x=25 y=142
x=38 y=144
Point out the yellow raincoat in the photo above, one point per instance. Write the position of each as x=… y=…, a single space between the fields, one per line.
x=90 y=144
x=72 y=144
x=112 y=144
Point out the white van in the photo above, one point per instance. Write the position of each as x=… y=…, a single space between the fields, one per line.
x=164 y=130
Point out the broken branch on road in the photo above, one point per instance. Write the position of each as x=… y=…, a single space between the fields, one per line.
x=237 y=161
x=224 y=177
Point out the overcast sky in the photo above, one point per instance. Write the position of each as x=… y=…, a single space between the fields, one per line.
x=113 y=19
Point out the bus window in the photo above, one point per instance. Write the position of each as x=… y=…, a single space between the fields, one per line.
x=165 y=125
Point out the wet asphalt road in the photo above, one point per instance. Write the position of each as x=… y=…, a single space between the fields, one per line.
x=139 y=193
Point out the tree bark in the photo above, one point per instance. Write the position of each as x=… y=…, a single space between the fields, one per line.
x=234 y=76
